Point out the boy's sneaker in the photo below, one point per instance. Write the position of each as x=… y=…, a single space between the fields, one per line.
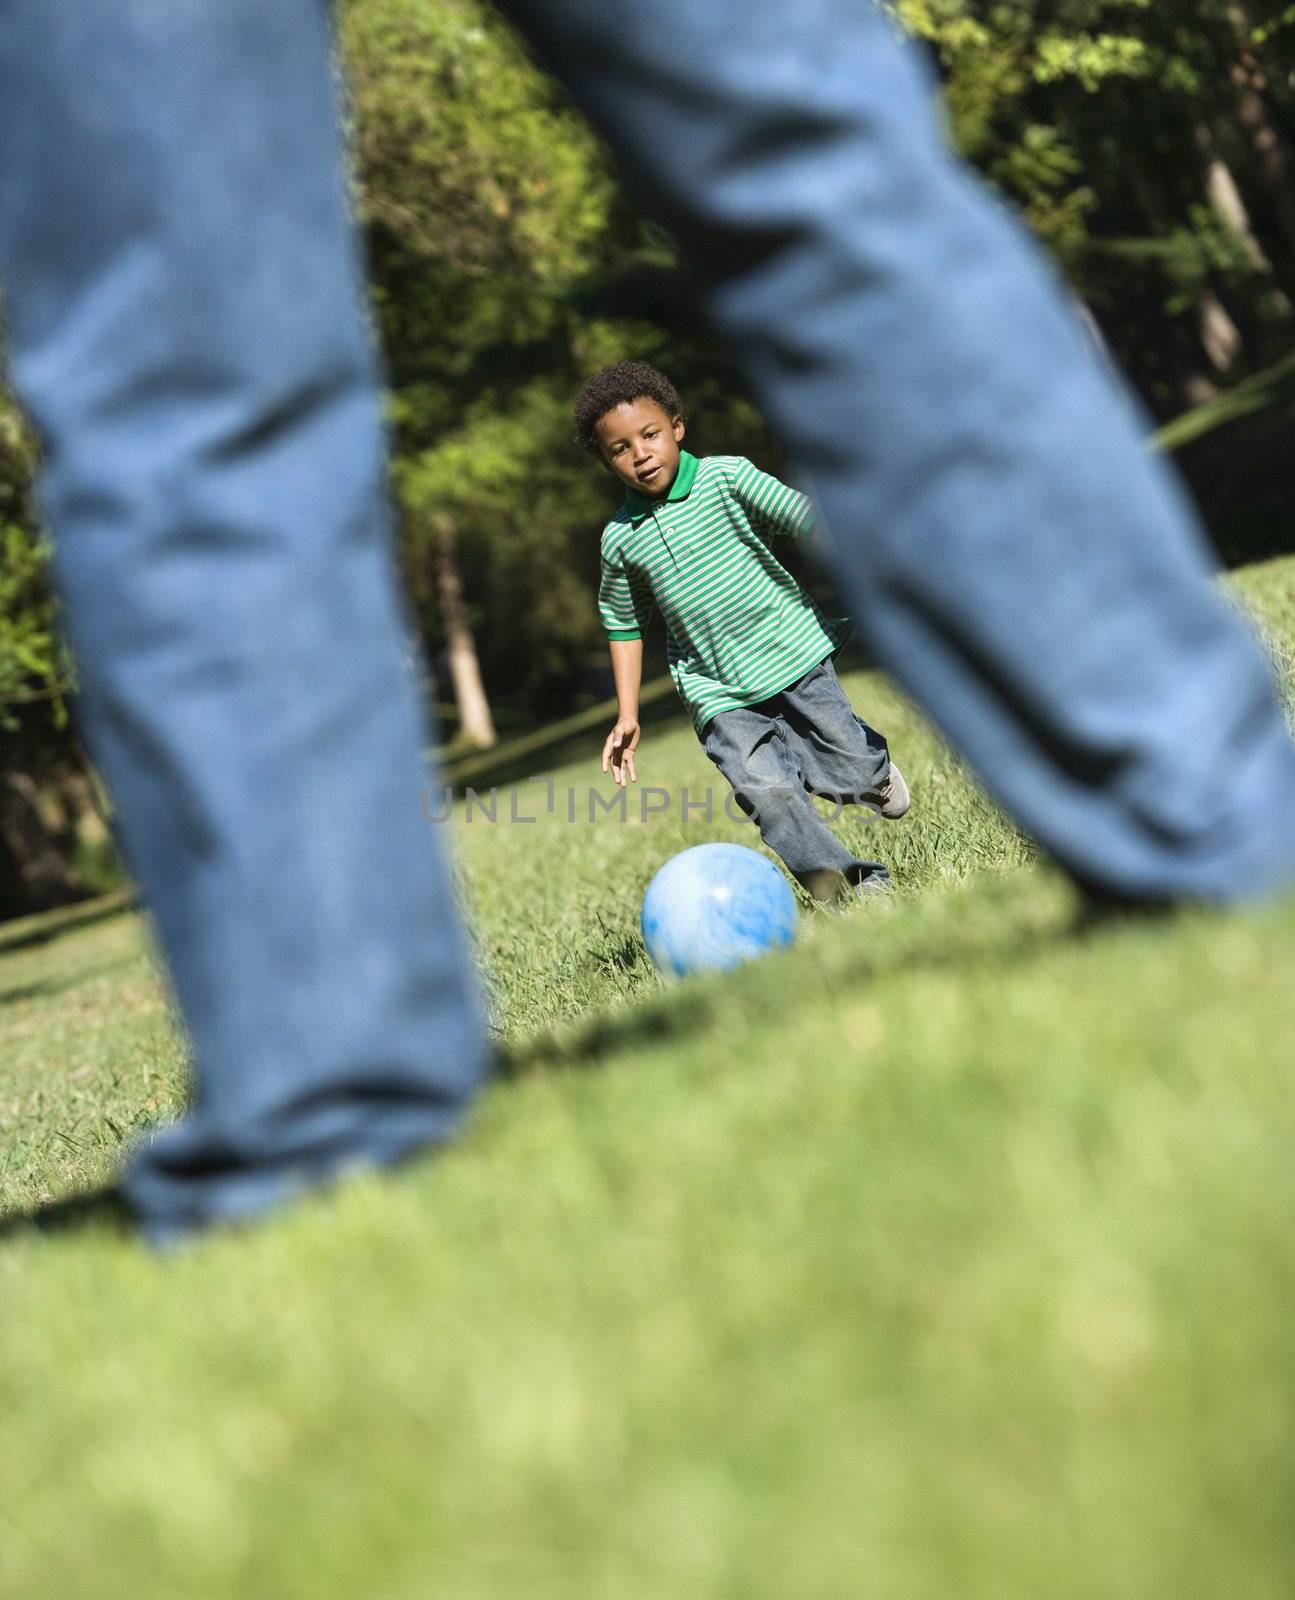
x=866 y=879
x=832 y=888
x=893 y=798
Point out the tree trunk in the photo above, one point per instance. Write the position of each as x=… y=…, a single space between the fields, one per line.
x=1226 y=200
x=475 y=721
x=1253 y=309
x=1267 y=143
x=35 y=854
x=1220 y=338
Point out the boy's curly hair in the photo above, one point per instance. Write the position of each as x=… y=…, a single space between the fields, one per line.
x=618 y=385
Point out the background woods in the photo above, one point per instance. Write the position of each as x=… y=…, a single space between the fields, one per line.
x=1150 y=144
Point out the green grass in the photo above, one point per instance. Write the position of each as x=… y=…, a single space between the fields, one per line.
x=948 y=1254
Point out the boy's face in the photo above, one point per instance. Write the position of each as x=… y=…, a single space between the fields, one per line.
x=640 y=444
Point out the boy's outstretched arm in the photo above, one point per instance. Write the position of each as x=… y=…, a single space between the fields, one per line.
x=622 y=741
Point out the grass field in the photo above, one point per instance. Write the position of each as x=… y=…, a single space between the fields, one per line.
x=947 y=1255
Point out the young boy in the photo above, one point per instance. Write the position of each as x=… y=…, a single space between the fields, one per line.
x=749 y=651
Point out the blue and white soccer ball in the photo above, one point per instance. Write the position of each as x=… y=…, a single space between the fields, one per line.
x=715 y=906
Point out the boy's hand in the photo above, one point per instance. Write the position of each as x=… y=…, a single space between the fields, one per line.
x=618 y=752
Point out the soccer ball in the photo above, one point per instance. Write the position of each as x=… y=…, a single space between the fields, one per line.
x=715 y=906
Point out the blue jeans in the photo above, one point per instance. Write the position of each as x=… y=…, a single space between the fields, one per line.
x=186 y=328
x=805 y=740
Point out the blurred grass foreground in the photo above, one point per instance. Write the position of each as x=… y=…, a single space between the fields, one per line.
x=948 y=1254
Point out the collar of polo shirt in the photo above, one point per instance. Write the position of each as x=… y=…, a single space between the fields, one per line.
x=639 y=505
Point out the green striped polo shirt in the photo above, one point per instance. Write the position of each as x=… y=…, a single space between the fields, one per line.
x=738 y=625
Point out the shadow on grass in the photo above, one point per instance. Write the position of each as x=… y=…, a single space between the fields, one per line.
x=26 y=933
x=1009 y=934
x=557 y=744
x=985 y=925
x=52 y=986
x=95 y=1211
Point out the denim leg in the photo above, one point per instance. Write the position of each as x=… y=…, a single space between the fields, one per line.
x=750 y=747
x=186 y=329
x=839 y=756
x=1015 y=556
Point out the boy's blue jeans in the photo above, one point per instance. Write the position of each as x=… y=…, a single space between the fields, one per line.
x=185 y=325
x=803 y=741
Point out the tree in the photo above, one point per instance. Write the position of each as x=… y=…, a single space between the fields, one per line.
x=53 y=844
x=507 y=265
x=485 y=198
x=1113 y=125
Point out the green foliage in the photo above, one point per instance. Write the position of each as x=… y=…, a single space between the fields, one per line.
x=1278 y=24
x=33 y=671
x=28 y=649
x=468 y=157
x=506 y=267
x=1090 y=60
x=1105 y=122
x=489 y=206
x=514 y=493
